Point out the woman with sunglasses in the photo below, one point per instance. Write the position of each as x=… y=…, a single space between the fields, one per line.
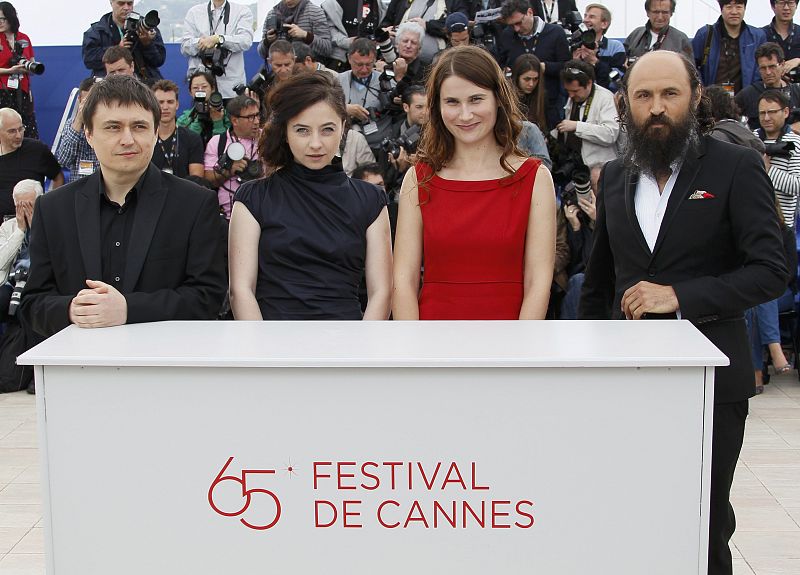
x=480 y=213
x=16 y=51
x=301 y=239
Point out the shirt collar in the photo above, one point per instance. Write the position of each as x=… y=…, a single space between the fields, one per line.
x=137 y=187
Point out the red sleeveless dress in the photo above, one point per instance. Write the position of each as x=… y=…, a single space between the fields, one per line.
x=474 y=244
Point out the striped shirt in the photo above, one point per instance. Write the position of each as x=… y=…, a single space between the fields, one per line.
x=785 y=175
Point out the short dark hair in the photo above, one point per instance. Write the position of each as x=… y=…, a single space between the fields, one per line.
x=362 y=47
x=11 y=17
x=287 y=100
x=577 y=70
x=281 y=47
x=770 y=49
x=648 y=3
x=165 y=86
x=726 y=2
x=117 y=53
x=302 y=51
x=775 y=96
x=239 y=103
x=723 y=107
x=123 y=91
x=509 y=7
x=207 y=76
x=412 y=90
x=86 y=84
x=371 y=168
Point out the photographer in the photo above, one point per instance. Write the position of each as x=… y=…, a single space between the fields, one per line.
x=118 y=28
x=348 y=20
x=73 y=152
x=218 y=33
x=207 y=116
x=14 y=234
x=770 y=60
x=607 y=55
x=657 y=34
x=224 y=168
x=784 y=32
x=528 y=34
x=178 y=151
x=399 y=150
x=15 y=86
x=782 y=158
x=297 y=20
x=587 y=136
x=367 y=93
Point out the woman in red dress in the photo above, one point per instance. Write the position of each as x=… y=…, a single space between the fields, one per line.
x=480 y=214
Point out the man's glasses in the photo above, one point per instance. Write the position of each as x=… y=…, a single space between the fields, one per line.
x=250 y=117
x=786 y=3
x=766 y=113
x=574 y=72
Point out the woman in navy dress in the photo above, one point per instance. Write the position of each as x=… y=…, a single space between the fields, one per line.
x=301 y=238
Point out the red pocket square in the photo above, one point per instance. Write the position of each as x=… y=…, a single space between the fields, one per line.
x=701 y=195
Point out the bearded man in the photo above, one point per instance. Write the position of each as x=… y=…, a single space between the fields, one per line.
x=687 y=228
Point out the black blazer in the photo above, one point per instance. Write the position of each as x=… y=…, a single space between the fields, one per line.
x=564 y=6
x=722 y=254
x=175 y=268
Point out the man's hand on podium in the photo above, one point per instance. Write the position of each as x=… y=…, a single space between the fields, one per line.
x=102 y=305
x=646 y=297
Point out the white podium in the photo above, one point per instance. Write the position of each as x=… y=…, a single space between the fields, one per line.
x=376 y=447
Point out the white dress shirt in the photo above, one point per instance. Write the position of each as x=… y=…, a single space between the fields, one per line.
x=651 y=205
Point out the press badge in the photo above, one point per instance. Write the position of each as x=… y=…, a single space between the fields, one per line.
x=13 y=82
x=370 y=128
x=85 y=168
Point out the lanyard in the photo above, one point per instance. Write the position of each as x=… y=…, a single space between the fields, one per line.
x=548 y=14
x=224 y=18
x=366 y=88
x=588 y=106
x=170 y=156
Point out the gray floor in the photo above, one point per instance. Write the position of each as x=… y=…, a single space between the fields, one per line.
x=766 y=491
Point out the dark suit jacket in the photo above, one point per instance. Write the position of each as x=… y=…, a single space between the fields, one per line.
x=721 y=255
x=175 y=268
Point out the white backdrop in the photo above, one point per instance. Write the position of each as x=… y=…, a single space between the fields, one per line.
x=50 y=23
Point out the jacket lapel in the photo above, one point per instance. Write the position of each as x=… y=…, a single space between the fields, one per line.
x=87 y=216
x=631 y=181
x=680 y=191
x=150 y=203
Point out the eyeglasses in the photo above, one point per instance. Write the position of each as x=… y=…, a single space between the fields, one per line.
x=786 y=3
x=765 y=113
x=3 y=19
x=250 y=117
x=574 y=72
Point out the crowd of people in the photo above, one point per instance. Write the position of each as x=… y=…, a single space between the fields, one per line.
x=449 y=160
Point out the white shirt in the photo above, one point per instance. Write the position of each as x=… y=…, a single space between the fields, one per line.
x=651 y=205
x=553 y=16
x=238 y=35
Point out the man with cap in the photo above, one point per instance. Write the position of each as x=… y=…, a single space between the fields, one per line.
x=456 y=28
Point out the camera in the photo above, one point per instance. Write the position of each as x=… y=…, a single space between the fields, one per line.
x=385 y=46
x=234 y=153
x=578 y=33
x=32 y=66
x=280 y=32
x=566 y=163
x=19 y=278
x=407 y=141
x=203 y=102
x=779 y=149
x=793 y=75
x=136 y=22
x=258 y=83
x=374 y=114
x=579 y=187
x=215 y=60
x=484 y=32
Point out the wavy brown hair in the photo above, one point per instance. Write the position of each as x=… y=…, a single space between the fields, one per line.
x=475 y=65
x=287 y=100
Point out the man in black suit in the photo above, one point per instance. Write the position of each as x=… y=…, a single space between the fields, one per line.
x=129 y=243
x=687 y=227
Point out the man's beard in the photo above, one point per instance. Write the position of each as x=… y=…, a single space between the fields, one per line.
x=655 y=151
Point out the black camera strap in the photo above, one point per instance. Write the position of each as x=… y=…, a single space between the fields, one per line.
x=366 y=88
x=169 y=157
x=224 y=18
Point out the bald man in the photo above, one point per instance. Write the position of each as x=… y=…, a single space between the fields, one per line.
x=687 y=228
x=22 y=158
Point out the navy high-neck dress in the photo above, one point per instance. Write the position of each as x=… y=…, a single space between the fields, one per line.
x=313 y=241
